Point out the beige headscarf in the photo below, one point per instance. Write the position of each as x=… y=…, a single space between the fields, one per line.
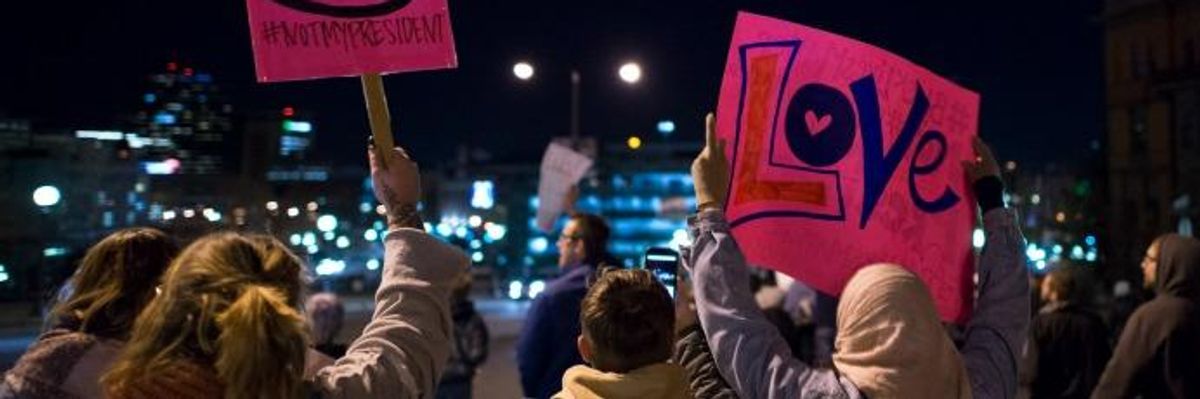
x=890 y=342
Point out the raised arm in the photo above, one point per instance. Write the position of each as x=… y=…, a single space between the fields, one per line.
x=404 y=347
x=749 y=352
x=998 y=326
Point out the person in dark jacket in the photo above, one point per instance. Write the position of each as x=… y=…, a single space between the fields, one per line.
x=469 y=349
x=1068 y=342
x=546 y=347
x=1158 y=355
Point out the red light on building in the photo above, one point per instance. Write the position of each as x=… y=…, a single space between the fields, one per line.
x=172 y=66
x=187 y=71
x=289 y=111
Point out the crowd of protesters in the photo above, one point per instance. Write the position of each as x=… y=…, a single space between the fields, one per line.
x=227 y=316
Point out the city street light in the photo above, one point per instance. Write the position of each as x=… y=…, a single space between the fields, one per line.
x=631 y=72
x=46 y=196
x=523 y=70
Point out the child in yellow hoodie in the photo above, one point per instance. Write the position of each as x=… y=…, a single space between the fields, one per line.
x=628 y=322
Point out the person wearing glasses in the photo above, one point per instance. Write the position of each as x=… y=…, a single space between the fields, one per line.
x=546 y=348
x=1157 y=354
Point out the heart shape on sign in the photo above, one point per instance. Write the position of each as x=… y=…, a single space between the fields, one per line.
x=816 y=124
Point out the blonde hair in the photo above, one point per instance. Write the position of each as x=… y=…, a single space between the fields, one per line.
x=229 y=303
x=115 y=281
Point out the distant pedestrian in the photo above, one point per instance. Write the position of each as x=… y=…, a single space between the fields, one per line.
x=1068 y=342
x=1158 y=355
x=546 y=348
x=325 y=317
x=91 y=323
x=469 y=348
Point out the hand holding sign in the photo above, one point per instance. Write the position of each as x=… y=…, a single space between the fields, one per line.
x=841 y=149
x=984 y=164
x=710 y=170
x=561 y=170
x=397 y=185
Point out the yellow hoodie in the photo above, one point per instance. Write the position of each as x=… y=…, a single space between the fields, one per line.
x=656 y=381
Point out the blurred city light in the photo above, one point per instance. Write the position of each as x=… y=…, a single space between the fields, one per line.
x=168 y=215
x=631 y=72
x=666 y=127
x=189 y=213
x=477 y=257
x=166 y=167
x=309 y=239
x=297 y=126
x=495 y=231
x=515 y=289
x=1077 y=252
x=3 y=274
x=538 y=245
x=373 y=264
x=483 y=194
x=295 y=239
x=272 y=206
x=342 y=242
x=293 y=212
x=978 y=238
x=1090 y=240
x=370 y=235
x=475 y=221
x=536 y=287
x=327 y=223
x=53 y=252
x=329 y=266
x=523 y=70
x=46 y=196
x=634 y=142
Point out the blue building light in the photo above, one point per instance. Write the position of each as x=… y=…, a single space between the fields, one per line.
x=164 y=118
x=328 y=267
x=297 y=126
x=538 y=245
x=483 y=194
x=666 y=127
x=149 y=98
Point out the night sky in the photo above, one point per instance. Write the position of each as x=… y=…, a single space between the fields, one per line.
x=1037 y=64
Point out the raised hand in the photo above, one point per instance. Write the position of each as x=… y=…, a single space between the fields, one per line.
x=397 y=187
x=710 y=170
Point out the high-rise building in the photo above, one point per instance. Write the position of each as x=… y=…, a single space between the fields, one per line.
x=1152 y=74
x=185 y=120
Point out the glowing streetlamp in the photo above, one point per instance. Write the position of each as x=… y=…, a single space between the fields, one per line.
x=46 y=196
x=631 y=72
x=523 y=70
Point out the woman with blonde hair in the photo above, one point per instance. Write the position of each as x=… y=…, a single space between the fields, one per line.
x=228 y=323
x=114 y=281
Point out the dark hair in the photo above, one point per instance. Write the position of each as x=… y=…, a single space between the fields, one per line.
x=115 y=280
x=629 y=319
x=1072 y=284
x=594 y=232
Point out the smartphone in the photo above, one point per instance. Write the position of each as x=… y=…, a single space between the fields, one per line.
x=663 y=264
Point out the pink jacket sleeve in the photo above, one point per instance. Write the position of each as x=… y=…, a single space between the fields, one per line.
x=404 y=347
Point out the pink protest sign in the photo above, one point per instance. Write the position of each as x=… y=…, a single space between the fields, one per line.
x=306 y=39
x=846 y=155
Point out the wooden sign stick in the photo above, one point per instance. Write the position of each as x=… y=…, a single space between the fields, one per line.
x=377 y=111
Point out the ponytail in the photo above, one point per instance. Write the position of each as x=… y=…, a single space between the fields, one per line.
x=261 y=346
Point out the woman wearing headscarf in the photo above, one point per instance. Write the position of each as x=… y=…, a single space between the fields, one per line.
x=1158 y=355
x=890 y=342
